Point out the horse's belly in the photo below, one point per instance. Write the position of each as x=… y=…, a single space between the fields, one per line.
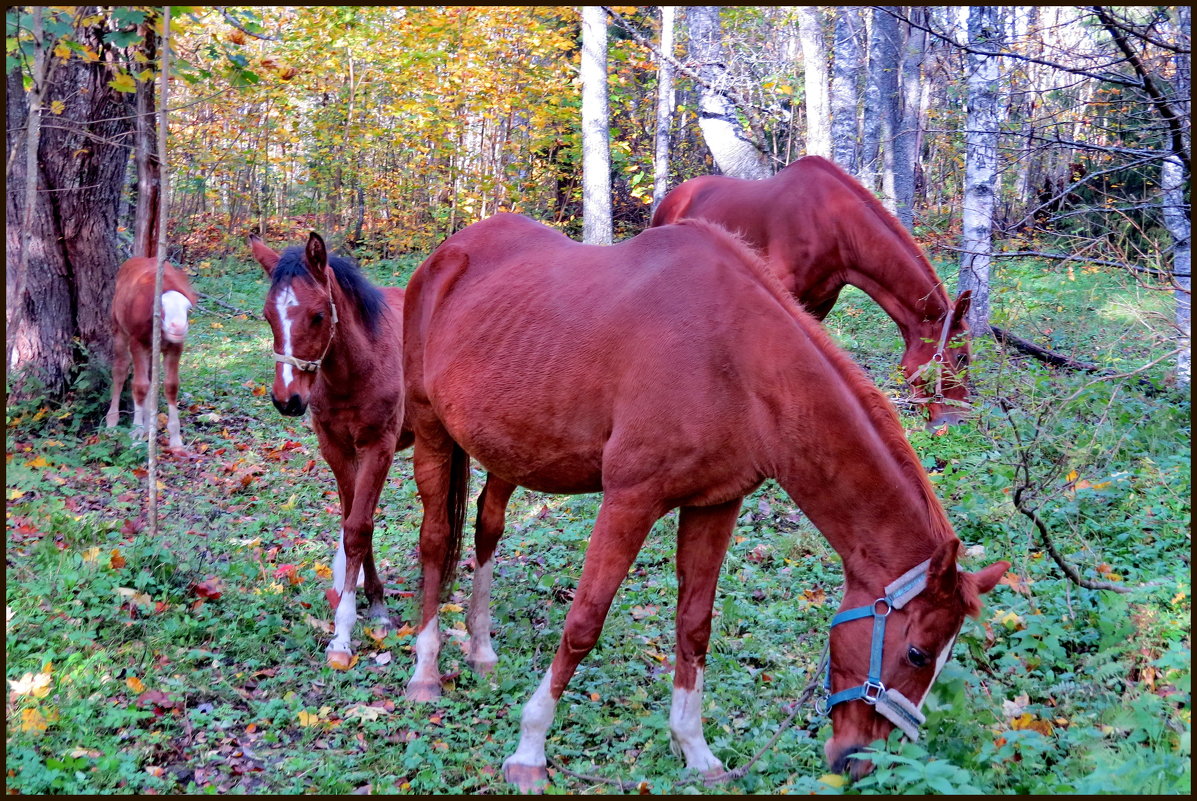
x=535 y=459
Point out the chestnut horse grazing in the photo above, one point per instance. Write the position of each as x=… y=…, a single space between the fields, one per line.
x=819 y=229
x=132 y=338
x=338 y=349
x=671 y=370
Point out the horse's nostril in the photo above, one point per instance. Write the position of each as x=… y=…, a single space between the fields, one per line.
x=843 y=762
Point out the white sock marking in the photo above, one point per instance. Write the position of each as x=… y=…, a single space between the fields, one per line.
x=534 y=726
x=685 y=723
x=478 y=616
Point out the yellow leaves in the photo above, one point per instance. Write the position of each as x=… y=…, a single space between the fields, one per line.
x=451 y=607
x=33 y=722
x=836 y=780
x=15 y=494
x=123 y=82
x=37 y=461
x=307 y=719
x=1010 y=620
x=135 y=684
x=91 y=555
x=57 y=107
x=116 y=561
x=133 y=596
x=815 y=597
x=1180 y=596
x=1028 y=722
x=146 y=76
x=364 y=713
x=217 y=325
x=36 y=685
x=323 y=571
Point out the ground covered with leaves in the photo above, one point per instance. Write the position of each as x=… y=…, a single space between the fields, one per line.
x=193 y=662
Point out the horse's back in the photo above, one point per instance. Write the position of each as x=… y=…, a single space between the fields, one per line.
x=566 y=367
x=133 y=296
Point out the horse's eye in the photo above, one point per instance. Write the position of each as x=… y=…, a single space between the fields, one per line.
x=917 y=658
x=317 y=318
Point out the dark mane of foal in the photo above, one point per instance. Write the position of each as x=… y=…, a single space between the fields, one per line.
x=878 y=410
x=365 y=296
x=887 y=219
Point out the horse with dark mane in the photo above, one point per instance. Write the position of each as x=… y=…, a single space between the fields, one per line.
x=819 y=229
x=338 y=350
x=668 y=371
x=132 y=335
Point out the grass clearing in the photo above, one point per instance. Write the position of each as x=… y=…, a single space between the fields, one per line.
x=194 y=663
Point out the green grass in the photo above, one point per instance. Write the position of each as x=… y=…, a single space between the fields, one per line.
x=147 y=687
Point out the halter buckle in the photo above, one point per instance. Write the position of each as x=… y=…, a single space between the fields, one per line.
x=873 y=690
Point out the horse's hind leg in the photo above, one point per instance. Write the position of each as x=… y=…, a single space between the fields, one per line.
x=492 y=513
x=623 y=523
x=434 y=461
x=170 y=385
x=702 y=540
x=120 y=372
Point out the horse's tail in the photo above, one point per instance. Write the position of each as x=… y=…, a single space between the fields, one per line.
x=459 y=490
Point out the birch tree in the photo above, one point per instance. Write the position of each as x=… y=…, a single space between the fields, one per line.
x=665 y=101
x=906 y=137
x=980 y=161
x=845 y=97
x=881 y=97
x=814 y=60
x=725 y=135
x=596 y=140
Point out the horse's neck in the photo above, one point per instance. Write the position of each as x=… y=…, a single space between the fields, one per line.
x=899 y=281
x=351 y=354
x=859 y=489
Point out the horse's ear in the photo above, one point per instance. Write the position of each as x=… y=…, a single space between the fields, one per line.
x=977 y=584
x=942 y=575
x=962 y=305
x=265 y=256
x=316 y=257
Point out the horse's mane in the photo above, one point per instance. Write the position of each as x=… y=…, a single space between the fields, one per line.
x=879 y=411
x=369 y=300
x=883 y=214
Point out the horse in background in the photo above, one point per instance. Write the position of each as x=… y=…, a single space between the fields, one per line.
x=820 y=229
x=132 y=338
x=671 y=370
x=338 y=351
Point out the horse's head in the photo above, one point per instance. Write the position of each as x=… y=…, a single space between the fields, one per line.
x=887 y=651
x=300 y=309
x=175 y=306
x=937 y=367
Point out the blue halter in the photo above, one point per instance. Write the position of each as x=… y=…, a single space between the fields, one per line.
x=889 y=703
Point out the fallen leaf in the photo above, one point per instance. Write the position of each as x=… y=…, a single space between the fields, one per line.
x=33 y=722
x=135 y=684
x=307 y=719
x=35 y=684
x=363 y=712
x=116 y=561
x=210 y=588
x=836 y=780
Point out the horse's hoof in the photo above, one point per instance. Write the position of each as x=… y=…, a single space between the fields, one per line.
x=528 y=778
x=423 y=691
x=339 y=660
x=716 y=774
x=482 y=667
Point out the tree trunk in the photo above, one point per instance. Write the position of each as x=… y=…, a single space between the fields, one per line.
x=814 y=59
x=145 y=220
x=74 y=251
x=881 y=98
x=596 y=139
x=665 y=104
x=735 y=154
x=1177 y=214
x=980 y=179
x=906 y=139
x=845 y=98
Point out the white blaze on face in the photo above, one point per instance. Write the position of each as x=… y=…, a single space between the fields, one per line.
x=283 y=302
x=175 y=307
x=940 y=661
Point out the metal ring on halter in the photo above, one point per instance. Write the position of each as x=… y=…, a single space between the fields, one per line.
x=888 y=607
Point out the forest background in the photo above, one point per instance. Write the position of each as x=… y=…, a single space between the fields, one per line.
x=388 y=128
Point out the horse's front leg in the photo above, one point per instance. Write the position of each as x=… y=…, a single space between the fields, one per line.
x=623 y=523
x=120 y=372
x=170 y=384
x=492 y=515
x=360 y=478
x=702 y=540
x=141 y=386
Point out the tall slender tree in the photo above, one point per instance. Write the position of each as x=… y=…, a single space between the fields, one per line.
x=596 y=131
x=980 y=160
x=814 y=61
x=906 y=137
x=665 y=102
x=845 y=96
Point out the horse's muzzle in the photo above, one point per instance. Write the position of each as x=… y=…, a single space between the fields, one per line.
x=843 y=763
x=294 y=406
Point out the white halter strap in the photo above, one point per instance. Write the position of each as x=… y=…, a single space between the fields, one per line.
x=304 y=365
